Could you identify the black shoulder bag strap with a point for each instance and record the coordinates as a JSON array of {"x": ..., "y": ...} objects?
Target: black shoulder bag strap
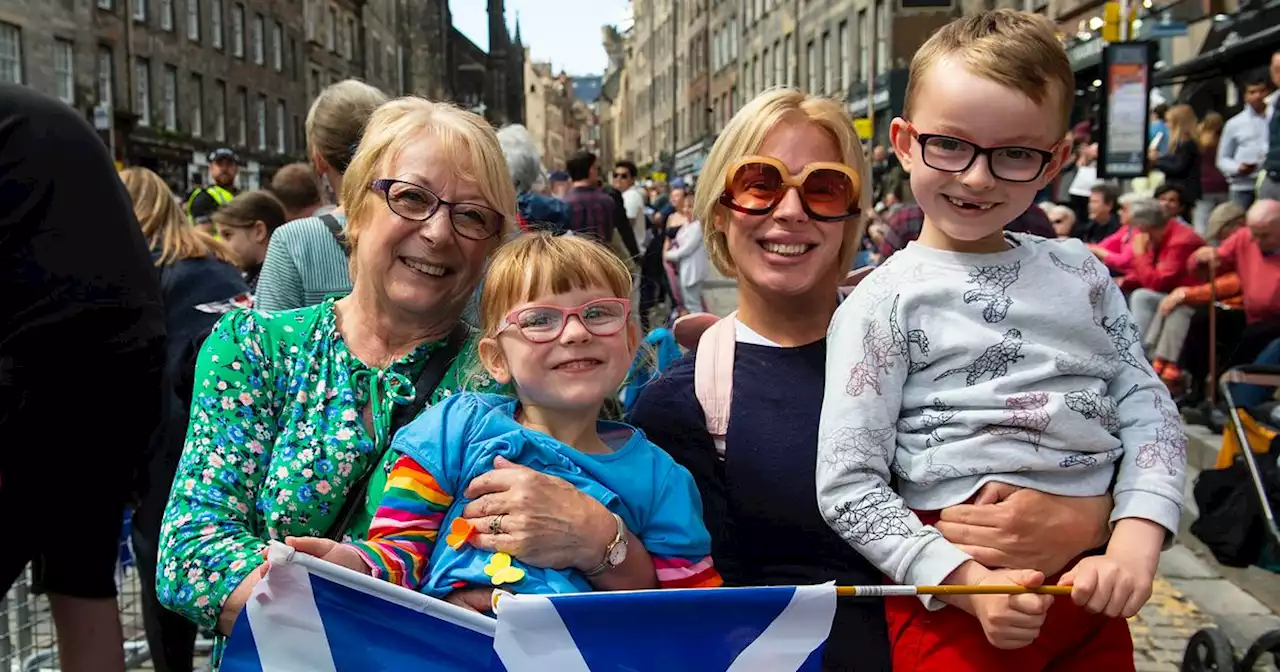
[
  {"x": 426, "y": 384},
  {"x": 335, "y": 228}
]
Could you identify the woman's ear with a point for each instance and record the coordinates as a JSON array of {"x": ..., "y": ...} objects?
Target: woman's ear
[
  {"x": 260, "y": 232},
  {"x": 493, "y": 360},
  {"x": 321, "y": 166}
]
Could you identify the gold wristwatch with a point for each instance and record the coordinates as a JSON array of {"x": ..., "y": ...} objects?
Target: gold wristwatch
[{"x": 615, "y": 553}]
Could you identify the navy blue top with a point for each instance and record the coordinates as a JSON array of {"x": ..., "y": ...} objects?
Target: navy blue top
[{"x": 761, "y": 503}]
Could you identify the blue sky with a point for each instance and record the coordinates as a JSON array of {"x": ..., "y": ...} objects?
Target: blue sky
[{"x": 565, "y": 32}]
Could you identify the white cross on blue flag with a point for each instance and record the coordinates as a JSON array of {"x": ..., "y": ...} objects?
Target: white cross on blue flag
[{"x": 311, "y": 616}]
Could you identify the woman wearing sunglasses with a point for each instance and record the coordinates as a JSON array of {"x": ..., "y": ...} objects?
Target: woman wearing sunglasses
[
  {"x": 783, "y": 214},
  {"x": 294, "y": 410}
]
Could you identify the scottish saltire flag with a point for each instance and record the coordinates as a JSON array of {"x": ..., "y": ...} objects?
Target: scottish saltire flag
[{"x": 311, "y": 616}]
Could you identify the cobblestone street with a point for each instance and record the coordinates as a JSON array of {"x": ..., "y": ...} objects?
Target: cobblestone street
[{"x": 1161, "y": 630}]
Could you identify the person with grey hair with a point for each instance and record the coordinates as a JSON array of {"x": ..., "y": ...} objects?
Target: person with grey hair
[
  {"x": 537, "y": 211},
  {"x": 1150, "y": 256},
  {"x": 1062, "y": 218}
]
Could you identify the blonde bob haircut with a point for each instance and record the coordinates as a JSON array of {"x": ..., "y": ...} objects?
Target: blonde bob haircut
[
  {"x": 168, "y": 232},
  {"x": 469, "y": 148},
  {"x": 743, "y": 137},
  {"x": 538, "y": 264}
]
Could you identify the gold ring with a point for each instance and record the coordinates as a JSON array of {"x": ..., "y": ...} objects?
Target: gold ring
[{"x": 495, "y": 525}]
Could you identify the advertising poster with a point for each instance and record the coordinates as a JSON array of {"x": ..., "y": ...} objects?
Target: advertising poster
[{"x": 1126, "y": 87}]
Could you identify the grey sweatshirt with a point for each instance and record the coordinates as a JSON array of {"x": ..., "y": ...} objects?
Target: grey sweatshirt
[{"x": 949, "y": 371}]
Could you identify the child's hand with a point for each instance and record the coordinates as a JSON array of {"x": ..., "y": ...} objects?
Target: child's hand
[
  {"x": 1119, "y": 583},
  {"x": 330, "y": 551},
  {"x": 1012, "y": 621}
]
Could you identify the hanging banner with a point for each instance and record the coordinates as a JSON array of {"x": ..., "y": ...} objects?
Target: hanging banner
[{"x": 1126, "y": 84}]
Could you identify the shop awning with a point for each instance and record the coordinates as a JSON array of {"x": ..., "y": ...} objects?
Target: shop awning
[{"x": 1226, "y": 59}]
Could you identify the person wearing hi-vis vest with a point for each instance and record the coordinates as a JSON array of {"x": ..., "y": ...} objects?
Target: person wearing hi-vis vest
[{"x": 204, "y": 201}]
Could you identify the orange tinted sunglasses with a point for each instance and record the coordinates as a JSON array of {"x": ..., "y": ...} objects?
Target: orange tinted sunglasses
[{"x": 829, "y": 192}]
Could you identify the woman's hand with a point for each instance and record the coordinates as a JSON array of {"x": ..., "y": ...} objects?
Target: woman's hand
[
  {"x": 236, "y": 600},
  {"x": 541, "y": 519},
  {"x": 479, "y": 600},
  {"x": 1171, "y": 302},
  {"x": 1007, "y": 526}
]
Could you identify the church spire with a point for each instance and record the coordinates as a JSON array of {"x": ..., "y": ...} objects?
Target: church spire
[{"x": 517, "y": 42}]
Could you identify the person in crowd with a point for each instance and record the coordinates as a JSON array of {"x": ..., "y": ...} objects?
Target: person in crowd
[
  {"x": 298, "y": 190},
  {"x": 199, "y": 282},
  {"x": 247, "y": 224},
  {"x": 1085, "y": 176},
  {"x": 1102, "y": 220},
  {"x": 689, "y": 256},
  {"x": 1269, "y": 181},
  {"x": 1252, "y": 253},
  {"x": 1213, "y": 184},
  {"x": 202, "y": 202},
  {"x": 80, "y": 301},
  {"x": 592, "y": 212},
  {"x": 558, "y": 184},
  {"x": 1063, "y": 219},
  {"x": 624, "y": 180},
  {"x": 1243, "y": 147},
  {"x": 1117, "y": 250},
  {"x": 1157, "y": 264},
  {"x": 1002, "y": 415},
  {"x": 307, "y": 259},
  {"x": 428, "y": 199},
  {"x": 537, "y": 211},
  {"x": 1181, "y": 164},
  {"x": 1168, "y": 331},
  {"x": 1158, "y": 129},
  {"x": 549, "y": 302},
  {"x": 1173, "y": 202},
  {"x": 789, "y": 249}
]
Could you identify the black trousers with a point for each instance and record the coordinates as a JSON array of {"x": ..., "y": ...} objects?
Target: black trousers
[
  {"x": 1238, "y": 342},
  {"x": 170, "y": 636}
]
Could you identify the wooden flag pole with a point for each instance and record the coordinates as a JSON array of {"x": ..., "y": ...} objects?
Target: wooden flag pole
[{"x": 911, "y": 591}]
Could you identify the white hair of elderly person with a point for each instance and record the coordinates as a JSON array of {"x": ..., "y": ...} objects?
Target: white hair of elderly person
[{"x": 523, "y": 158}]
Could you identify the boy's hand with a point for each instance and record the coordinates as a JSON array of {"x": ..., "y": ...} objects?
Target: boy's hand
[
  {"x": 1012, "y": 621},
  {"x": 1119, "y": 583},
  {"x": 330, "y": 551}
]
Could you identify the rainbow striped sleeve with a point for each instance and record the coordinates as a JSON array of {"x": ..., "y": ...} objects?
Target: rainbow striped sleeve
[
  {"x": 405, "y": 527},
  {"x": 676, "y": 572}
]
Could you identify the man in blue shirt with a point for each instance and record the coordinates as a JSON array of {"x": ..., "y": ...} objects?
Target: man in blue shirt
[{"x": 1244, "y": 142}]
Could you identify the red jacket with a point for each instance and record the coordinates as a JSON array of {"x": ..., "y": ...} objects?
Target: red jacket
[{"x": 1164, "y": 266}]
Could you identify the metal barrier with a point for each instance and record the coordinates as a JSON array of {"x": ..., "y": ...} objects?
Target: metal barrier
[{"x": 29, "y": 642}]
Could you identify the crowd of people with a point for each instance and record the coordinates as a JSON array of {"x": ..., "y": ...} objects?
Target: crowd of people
[{"x": 419, "y": 331}]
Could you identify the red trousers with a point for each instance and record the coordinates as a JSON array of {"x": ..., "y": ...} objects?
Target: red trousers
[{"x": 950, "y": 640}]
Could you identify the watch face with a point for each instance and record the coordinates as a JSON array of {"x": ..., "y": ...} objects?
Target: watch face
[{"x": 618, "y": 553}]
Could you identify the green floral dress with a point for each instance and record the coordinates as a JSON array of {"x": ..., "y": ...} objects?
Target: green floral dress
[{"x": 274, "y": 444}]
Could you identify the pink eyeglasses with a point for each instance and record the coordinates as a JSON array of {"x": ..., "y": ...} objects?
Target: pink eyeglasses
[{"x": 543, "y": 324}]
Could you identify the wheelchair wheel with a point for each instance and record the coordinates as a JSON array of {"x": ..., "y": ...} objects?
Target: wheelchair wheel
[
  {"x": 1268, "y": 643},
  {"x": 1209, "y": 651}
]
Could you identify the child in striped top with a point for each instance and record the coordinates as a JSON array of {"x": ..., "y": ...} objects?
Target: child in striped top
[{"x": 557, "y": 326}]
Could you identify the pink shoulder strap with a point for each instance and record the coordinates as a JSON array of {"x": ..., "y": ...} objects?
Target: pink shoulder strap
[{"x": 713, "y": 377}]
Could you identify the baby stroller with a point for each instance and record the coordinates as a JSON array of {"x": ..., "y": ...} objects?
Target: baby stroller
[{"x": 1247, "y": 490}]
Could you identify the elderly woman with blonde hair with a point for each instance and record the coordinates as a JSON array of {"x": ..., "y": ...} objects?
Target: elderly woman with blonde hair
[
  {"x": 294, "y": 411},
  {"x": 783, "y": 202}
]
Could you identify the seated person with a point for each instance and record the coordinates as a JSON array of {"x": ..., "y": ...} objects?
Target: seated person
[{"x": 556, "y": 322}]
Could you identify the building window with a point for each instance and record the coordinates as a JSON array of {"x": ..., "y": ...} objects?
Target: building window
[
  {"x": 166, "y": 14},
  {"x": 169, "y": 91},
  {"x": 104, "y": 4},
  {"x": 139, "y": 10},
  {"x": 220, "y": 111},
  {"x": 882, "y": 37},
  {"x": 277, "y": 47},
  {"x": 64, "y": 75},
  {"x": 215, "y": 22},
  {"x": 843, "y": 54},
  {"x": 375, "y": 56},
  {"x": 312, "y": 18},
  {"x": 779, "y": 66},
  {"x": 330, "y": 30},
  {"x": 348, "y": 39},
  {"x": 256, "y": 37},
  {"x": 786, "y": 61},
  {"x": 106, "y": 77},
  {"x": 811, "y": 66},
  {"x": 142, "y": 86},
  {"x": 242, "y": 111},
  {"x": 10, "y": 53},
  {"x": 862, "y": 29},
  {"x": 261, "y": 119},
  {"x": 193, "y": 20},
  {"x": 237, "y": 30},
  {"x": 197, "y": 106},
  {"x": 281, "y": 125},
  {"x": 827, "y": 65}
]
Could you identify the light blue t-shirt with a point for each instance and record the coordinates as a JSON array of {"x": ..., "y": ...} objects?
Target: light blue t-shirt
[{"x": 457, "y": 439}]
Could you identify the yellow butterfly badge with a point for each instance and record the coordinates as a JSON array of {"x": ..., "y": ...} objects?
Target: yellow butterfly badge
[{"x": 500, "y": 569}]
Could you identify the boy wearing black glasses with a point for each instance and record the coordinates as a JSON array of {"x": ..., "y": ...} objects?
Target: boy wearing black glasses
[{"x": 976, "y": 356}]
